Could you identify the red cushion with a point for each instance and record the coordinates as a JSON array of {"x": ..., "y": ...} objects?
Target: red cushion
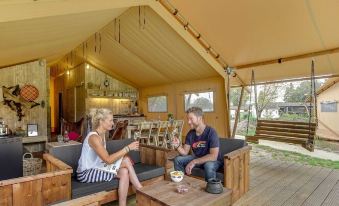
[{"x": 73, "y": 136}]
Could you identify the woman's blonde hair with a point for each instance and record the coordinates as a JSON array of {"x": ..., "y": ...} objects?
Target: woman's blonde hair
[{"x": 97, "y": 115}]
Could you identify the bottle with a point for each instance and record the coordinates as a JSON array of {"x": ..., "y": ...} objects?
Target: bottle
[{"x": 66, "y": 138}]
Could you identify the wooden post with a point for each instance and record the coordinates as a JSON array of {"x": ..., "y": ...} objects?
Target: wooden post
[{"x": 237, "y": 114}]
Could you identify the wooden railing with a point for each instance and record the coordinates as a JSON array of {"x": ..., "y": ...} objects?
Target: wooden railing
[{"x": 41, "y": 189}]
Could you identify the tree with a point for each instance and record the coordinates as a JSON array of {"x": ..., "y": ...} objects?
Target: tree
[
  {"x": 235, "y": 96},
  {"x": 299, "y": 93},
  {"x": 267, "y": 95},
  {"x": 203, "y": 103}
]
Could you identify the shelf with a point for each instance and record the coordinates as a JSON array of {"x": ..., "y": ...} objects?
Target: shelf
[
  {"x": 26, "y": 140},
  {"x": 102, "y": 93}
]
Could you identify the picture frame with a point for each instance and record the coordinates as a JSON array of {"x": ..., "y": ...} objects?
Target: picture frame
[{"x": 32, "y": 130}]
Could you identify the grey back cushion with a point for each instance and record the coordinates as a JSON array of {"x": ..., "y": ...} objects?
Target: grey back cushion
[
  {"x": 228, "y": 145},
  {"x": 71, "y": 154},
  {"x": 116, "y": 145},
  {"x": 68, "y": 154}
]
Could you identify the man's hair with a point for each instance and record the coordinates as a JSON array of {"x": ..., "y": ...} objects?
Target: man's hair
[{"x": 197, "y": 111}]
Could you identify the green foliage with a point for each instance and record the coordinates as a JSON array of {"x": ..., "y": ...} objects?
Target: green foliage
[
  {"x": 267, "y": 95},
  {"x": 299, "y": 93},
  {"x": 294, "y": 117},
  {"x": 235, "y": 96},
  {"x": 203, "y": 103}
]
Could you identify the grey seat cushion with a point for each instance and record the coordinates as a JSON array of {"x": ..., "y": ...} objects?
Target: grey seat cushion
[
  {"x": 82, "y": 189},
  {"x": 143, "y": 171},
  {"x": 146, "y": 172}
]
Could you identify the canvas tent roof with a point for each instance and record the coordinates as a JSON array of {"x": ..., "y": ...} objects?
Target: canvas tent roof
[
  {"x": 246, "y": 32},
  {"x": 328, "y": 84},
  {"x": 242, "y": 32}
]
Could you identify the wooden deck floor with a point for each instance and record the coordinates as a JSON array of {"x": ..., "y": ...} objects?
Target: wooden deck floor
[{"x": 277, "y": 183}]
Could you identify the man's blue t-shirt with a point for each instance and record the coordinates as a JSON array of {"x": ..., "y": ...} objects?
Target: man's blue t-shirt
[{"x": 201, "y": 144}]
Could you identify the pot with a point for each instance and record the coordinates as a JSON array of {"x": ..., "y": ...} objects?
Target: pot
[
  {"x": 3, "y": 130},
  {"x": 214, "y": 186}
]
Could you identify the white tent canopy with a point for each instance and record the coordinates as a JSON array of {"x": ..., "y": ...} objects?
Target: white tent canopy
[
  {"x": 246, "y": 32},
  {"x": 242, "y": 32}
]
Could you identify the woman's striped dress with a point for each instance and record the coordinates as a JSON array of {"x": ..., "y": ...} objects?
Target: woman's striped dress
[{"x": 88, "y": 162}]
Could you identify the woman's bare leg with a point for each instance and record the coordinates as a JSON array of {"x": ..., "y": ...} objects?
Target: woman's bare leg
[
  {"x": 123, "y": 185},
  {"x": 126, "y": 163}
]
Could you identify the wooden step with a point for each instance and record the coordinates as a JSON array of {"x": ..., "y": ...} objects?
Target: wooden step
[
  {"x": 287, "y": 122},
  {"x": 285, "y": 134},
  {"x": 288, "y": 130}
]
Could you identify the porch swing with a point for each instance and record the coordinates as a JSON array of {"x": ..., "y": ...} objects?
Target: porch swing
[{"x": 301, "y": 133}]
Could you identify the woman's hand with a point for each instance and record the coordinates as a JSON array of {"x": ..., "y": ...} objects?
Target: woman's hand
[{"x": 134, "y": 145}]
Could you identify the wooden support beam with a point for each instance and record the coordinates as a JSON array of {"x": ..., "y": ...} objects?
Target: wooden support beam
[
  {"x": 237, "y": 114},
  {"x": 290, "y": 58},
  {"x": 290, "y": 80}
]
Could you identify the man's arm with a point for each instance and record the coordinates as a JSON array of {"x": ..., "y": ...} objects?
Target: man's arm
[
  {"x": 184, "y": 150},
  {"x": 212, "y": 156}
]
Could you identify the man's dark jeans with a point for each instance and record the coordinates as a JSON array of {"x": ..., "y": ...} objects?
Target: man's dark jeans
[{"x": 209, "y": 167}]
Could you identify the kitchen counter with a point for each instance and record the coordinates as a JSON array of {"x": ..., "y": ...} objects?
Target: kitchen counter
[
  {"x": 26, "y": 139},
  {"x": 127, "y": 116}
]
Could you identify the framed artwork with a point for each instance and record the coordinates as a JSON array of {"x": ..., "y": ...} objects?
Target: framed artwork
[{"x": 32, "y": 130}]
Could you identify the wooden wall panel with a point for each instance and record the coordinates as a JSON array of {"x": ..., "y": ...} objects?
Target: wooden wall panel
[
  {"x": 6, "y": 196},
  {"x": 28, "y": 193},
  {"x": 175, "y": 97},
  {"x": 34, "y": 73},
  {"x": 56, "y": 189},
  {"x": 80, "y": 96}
]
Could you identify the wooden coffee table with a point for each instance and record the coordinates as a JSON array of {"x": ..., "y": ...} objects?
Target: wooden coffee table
[{"x": 165, "y": 193}]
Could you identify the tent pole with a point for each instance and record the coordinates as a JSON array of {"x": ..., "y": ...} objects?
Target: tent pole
[
  {"x": 291, "y": 58},
  {"x": 238, "y": 112}
]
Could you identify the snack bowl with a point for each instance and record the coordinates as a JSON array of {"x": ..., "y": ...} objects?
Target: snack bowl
[{"x": 177, "y": 176}]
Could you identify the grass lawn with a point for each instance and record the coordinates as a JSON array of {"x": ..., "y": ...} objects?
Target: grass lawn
[{"x": 296, "y": 157}]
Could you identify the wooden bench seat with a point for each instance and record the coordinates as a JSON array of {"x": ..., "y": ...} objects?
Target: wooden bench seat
[{"x": 301, "y": 133}]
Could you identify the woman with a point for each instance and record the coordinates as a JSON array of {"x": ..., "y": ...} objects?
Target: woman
[{"x": 94, "y": 153}]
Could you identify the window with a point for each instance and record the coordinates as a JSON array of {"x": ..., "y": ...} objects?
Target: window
[
  {"x": 328, "y": 106},
  {"x": 204, "y": 100},
  {"x": 157, "y": 104}
]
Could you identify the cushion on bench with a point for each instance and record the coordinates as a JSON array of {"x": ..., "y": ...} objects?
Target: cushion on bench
[
  {"x": 82, "y": 189},
  {"x": 116, "y": 145},
  {"x": 228, "y": 145},
  {"x": 71, "y": 154},
  {"x": 144, "y": 172}
]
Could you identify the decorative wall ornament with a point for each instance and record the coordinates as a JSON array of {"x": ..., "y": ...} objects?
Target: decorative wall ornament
[{"x": 16, "y": 102}]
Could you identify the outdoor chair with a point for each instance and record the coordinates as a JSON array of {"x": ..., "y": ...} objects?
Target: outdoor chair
[{"x": 75, "y": 129}]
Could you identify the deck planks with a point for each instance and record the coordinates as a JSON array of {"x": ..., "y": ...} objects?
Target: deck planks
[{"x": 278, "y": 183}]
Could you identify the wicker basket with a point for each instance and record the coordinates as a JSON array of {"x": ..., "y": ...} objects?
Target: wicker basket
[{"x": 31, "y": 166}]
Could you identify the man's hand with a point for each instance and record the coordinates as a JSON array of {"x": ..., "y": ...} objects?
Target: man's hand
[
  {"x": 175, "y": 142},
  {"x": 189, "y": 167}
]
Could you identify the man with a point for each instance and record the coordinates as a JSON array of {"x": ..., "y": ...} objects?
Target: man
[{"x": 204, "y": 142}]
